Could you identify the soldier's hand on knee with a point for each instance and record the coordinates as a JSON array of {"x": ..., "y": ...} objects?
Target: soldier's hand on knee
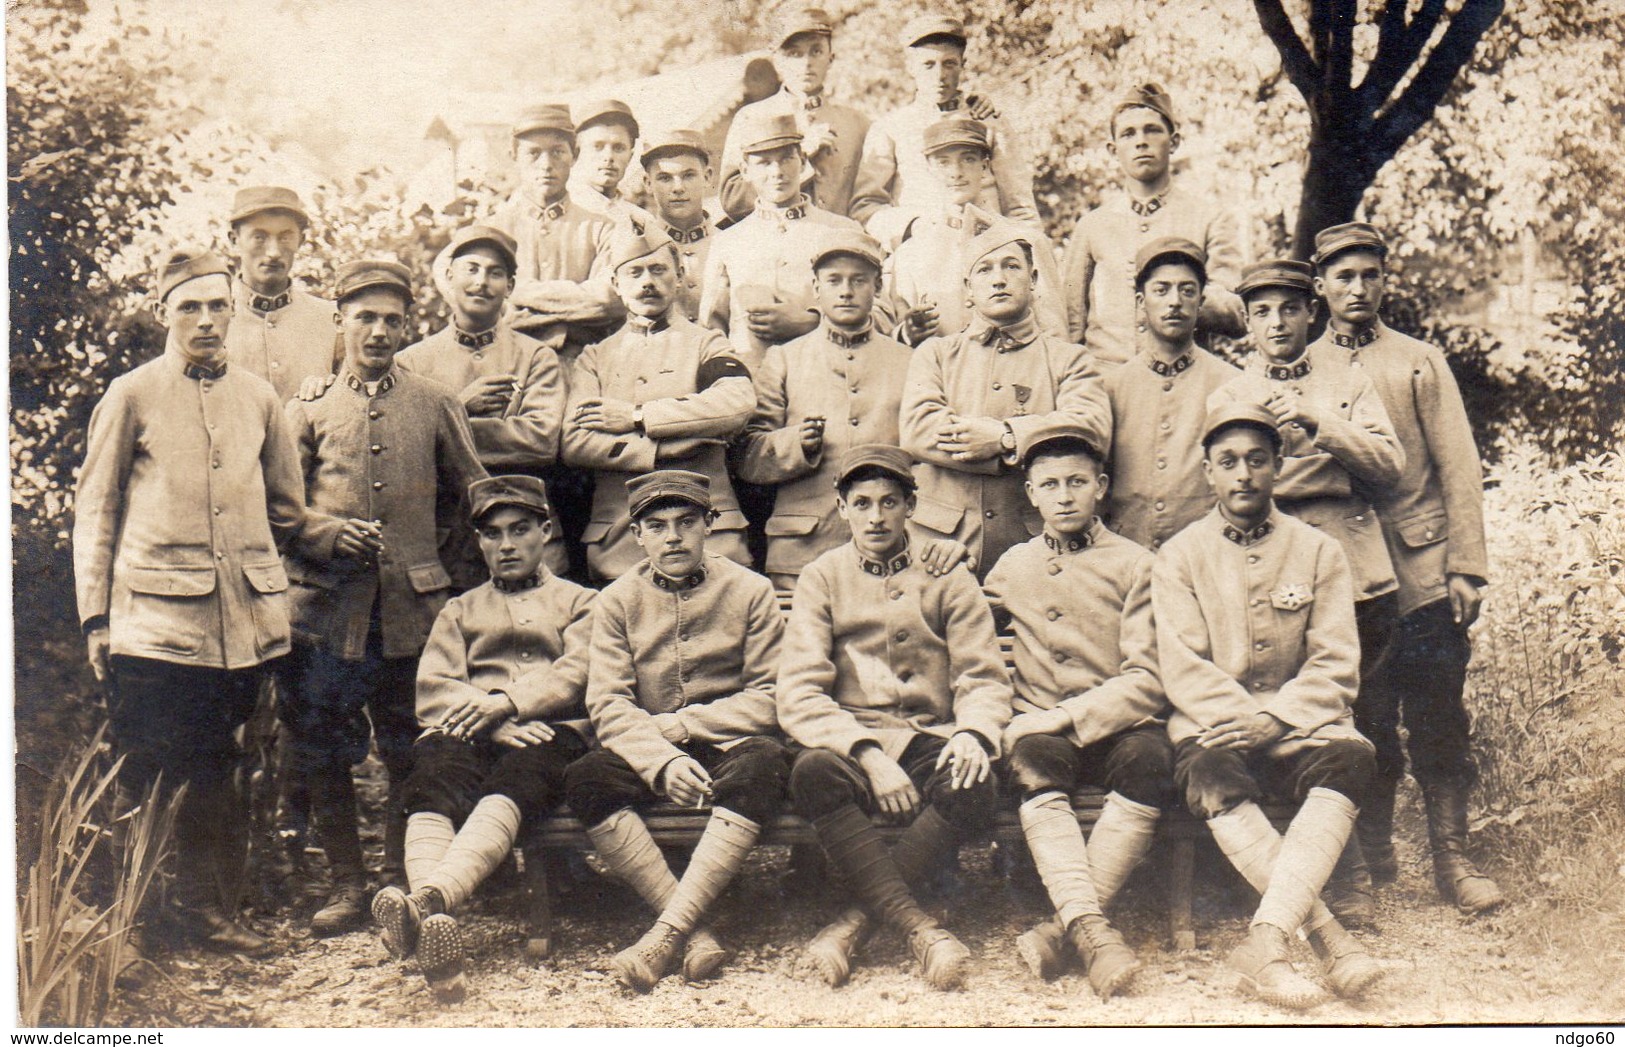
[
  {"x": 98, "y": 646},
  {"x": 1253, "y": 731},
  {"x": 477, "y": 715},
  {"x": 517, "y": 735},
  {"x": 686, "y": 782},
  {"x": 966, "y": 759},
  {"x": 1050, "y": 721},
  {"x": 893, "y": 790}
]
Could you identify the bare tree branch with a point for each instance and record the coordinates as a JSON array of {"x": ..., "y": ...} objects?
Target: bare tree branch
[
  {"x": 1415, "y": 105},
  {"x": 1300, "y": 67},
  {"x": 1398, "y": 46}
]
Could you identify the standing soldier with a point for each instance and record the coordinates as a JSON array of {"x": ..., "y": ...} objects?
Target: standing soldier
[
  {"x": 279, "y": 331},
  {"x": 972, "y": 399},
  {"x": 1433, "y": 521},
  {"x": 758, "y": 280},
  {"x": 893, "y": 186},
  {"x": 606, "y": 133},
  {"x": 190, "y": 478},
  {"x": 509, "y": 383},
  {"x": 926, "y": 293},
  {"x": 1159, "y": 401},
  {"x": 831, "y": 134},
  {"x": 677, "y": 168},
  {"x": 1099, "y": 264},
  {"x": 660, "y": 391},
  {"x": 386, "y": 457}
]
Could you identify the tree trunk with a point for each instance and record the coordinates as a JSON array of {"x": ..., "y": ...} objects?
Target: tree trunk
[{"x": 1336, "y": 178}]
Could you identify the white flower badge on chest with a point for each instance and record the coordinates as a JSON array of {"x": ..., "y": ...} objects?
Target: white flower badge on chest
[{"x": 1291, "y": 597}]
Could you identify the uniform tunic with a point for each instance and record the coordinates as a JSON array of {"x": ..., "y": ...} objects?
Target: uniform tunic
[
  {"x": 403, "y": 458},
  {"x": 655, "y": 367},
  {"x": 284, "y": 345},
  {"x": 563, "y": 259},
  {"x": 765, "y": 256},
  {"x": 1099, "y": 267},
  {"x": 895, "y": 184},
  {"x": 884, "y": 652},
  {"x": 1158, "y": 409},
  {"x": 529, "y": 644},
  {"x": 1084, "y": 637},
  {"x": 1354, "y": 444},
  {"x": 524, "y": 438},
  {"x": 695, "y": 247},
  {"x": 855, "y": 383},
  {"x": 1433, "y": 517},
  {"x": 1260, "y": 623},
  {"x": 189, "y": 484},
  {"x": 1011, "y": 375},
  {"x": 680, "y": 662},
  {"x": 835, "y": 168}
]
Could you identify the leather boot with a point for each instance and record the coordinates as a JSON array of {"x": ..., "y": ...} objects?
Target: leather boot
[
  {"x": 1455, "y": 875},
  {"x": 400, "y": 917},
  {"x": 1348, "y": 891},
  {"x": 704, "y": 955},
  {"x": 1349, "y": 968},
  {"x": 1111, "y": 964},
  {"x": 1265, "y": 974},
  {"x": 393, "y": 870},
  {"x": 206, "y": 858},
  {"x": 442, "y": 949},
  {"x": 1374, "y": 828},
  {"x": 943, "y": 959},
  {"x": 332, "y": 796},
  {"x": 831, "y": 948},
  {"x": 1045, "y": 949},
  {"x": 641, "y": 965}
]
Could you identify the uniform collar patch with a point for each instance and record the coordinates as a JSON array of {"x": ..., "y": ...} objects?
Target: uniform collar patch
[
  {"x": 1075, "y": 543},
  {"x": 848, "y": 341},
  {"x": 896, "y": 564},
  {"x": 370, "y": 389},
  {"x": 1253, "y": 537},
  {"x": 523, "y": 584},
  {"x": 677, "y": 585},
  {"x": 476, "y": 341},
  {"x": 1288, "y": 372},
  {"x": 952, "y": 105},
  {"x": 806, "y": 102},
  {"x": 262, "y": 304},
  {"x": 1178, "y": 366},
  {"x": 789, "y": 213},
  {"x": 1149, "y": 206},
  {"x": 690, "y": 236},
  {"x": 1009, "y": 337},
  {"x": 547, "y": 212},
  {"x": 198, "y": 372},
  {"x": 648, "y": 325},
  {"x": 1355, "y": 341}
]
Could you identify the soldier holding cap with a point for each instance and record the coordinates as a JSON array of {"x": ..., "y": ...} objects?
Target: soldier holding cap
[
  {"x": 1259, "y": 655},
  {"x": 606, "y": 132},
  {"x": 972, "y": 399},
  {"x": 1089, "y": 706},
  {"x": 831, "y": 134},
  {"x": 1099, "y": 265},
  {"x": 190, "y": 484},
  {"x": 893, "y": 185},
  {"x": 1159, "y": 401},
  {"x": 758, "y": 280},
  {"x": 279, "y": 331},
  {"x": 892, "y": 680},
  {"x": 563, "y": 294},
  {"x": 1433, "y": 521},
  {"x": 386, "y": 456},
  {"x": 499, "y": 697},
  {"x": 680, "y": 690},
  {"x": 510, "y": 384},
  {"x": 677, "y": 168},
  {"x": 926, "y": 296},
  {"x": 660, "y": 391}
]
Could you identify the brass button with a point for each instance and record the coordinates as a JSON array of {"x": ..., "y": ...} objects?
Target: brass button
[
  {"x": 902, "y": 636},
  {"x": 1052, "y": 614},
  {"x": 378, "y": 485}
]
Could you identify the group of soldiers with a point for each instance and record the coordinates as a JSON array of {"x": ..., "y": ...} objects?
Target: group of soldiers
[{"x": 535, "y": 558}]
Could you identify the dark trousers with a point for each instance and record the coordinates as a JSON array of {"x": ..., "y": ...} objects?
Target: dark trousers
[
  {"x": 178, "y": 720},
  {"x": 823, "y": 781},
  {"x": 747, "y": 778},
  {"x": 1137, "y": 764},
  {"x": 330, "y": 706},
  {"x": 1420, "y": 679},
  {"x": 1218, "y": 780},
  {"x": 451, "y": 776}
]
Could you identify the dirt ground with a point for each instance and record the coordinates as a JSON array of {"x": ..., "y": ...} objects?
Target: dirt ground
[{"x": 1441, "y": 967}]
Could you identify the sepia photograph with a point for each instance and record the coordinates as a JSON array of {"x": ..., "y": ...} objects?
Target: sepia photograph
[{"x": 717, "y": 514}]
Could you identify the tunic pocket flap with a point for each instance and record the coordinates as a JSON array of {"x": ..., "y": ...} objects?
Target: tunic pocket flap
[
  {"x": 268, "y": 577},
  {"x": 791, "y": 526},
  {"x": 938, "y": 516},
  {"x": 428, "y": 578},
  {"x": 1423, "y": 530},
  {"x": 171, "y": 580},
  {"x": 303, "y": 573}
]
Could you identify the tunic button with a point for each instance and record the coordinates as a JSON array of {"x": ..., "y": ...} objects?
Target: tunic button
[
  {"x": 372, "y": 414},
  {"x": 896, "y": 595},
  {"x": 1052, "y": 614},
  {"x": 1260, "y": 646},
  {"x": 1360, "y": 518},
  {"x": 854, "y": 422},
  {"x": 378, "y": 485},
  {"x": 1159, "y": 506},
  {"x": 217, "y": 510},
  {"x": 902, "y": 635},
  {"x": 216, "y": 463},
  {"x": 854, "y": 388},
  {"x": 276, "y": 365},
  {"x": 1059, "y": 656},
  {"x": 1166, "y": 427},
  {"x": 525, "y": 655},
  {"x": 684, "y": 597},
  {"x": 1430, "y": 534},
  {"x": 377, "y": 448},
  {"x": 991, "y": 513},
  {"x": 1054, "y": 568},
  {"x": 905, "y": 676},
  {"x": 1167, "y": 386},
  {"x": 996, "y": 385},
  {"x": 479, "y": 356},
  {"x": 1162, "y": 463},
  {"x": 1145, "y": 227},
  {"x": 641, "y": 379},
  {"x": 219, "y": 556},
  {"x": 1255, "y": 601},
  {"x": 1252, "y": 559},
  {"x": 682, "y": 637}
]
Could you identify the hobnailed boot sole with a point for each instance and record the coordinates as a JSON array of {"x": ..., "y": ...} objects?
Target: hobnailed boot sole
[
  {"x": 1044, "y": 950},
  {"x": 944, "y": 960},
  {"x": 442, "y": 950},
  {"x": 398, "y": 920},
  {"x": 703, "y": 956}
]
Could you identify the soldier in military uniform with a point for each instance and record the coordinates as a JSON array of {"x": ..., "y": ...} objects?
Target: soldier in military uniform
[
  {"x": 1433, "y": 522},
  {"x": 831, "y": 134},
  {"x": 190, "y": 484},
  {"x": 606, "y": 132},
  {"x": 510, "y": 384},
  {"x": 972, "y": 399},
  {"x": 1159, "y": 401},
  {"x": 1099, "y": 265},
  {"x": 677, "y": 168},
  {"x": 1259, "y": 655},
  {"x": 278, "y": 331},
  {"x": 893, "y": 187},
  {"x": 659, "y": 392},
  {"x": 386, "y": 457}
]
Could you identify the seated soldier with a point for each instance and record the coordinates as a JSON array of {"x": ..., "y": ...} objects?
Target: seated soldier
[
  {"x": 499, "y": 697},
  {"x": 1260, "y": 658},
  {"x": 1089, "y": 706},
  {"x": 680, "y": 690},
  {"x": 892, "y": 680}
]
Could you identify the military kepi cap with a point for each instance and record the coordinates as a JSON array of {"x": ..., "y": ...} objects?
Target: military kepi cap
[
  {"x": 257, "y": 199},
  {"x": 526, "y": 492},
  {"x": 759, "y": 131},
  {"x": 548, "y": 116},
  {"x": 674, "y": 143},
  {"x": 888, "y": 458},
  {"x": 665, "y": 484},
  {"x": 853, "y": 242},
  {"x": 795, "y": 18},
  {"x": 1277, "y": 272},
  {"x": 188, "y": 263},
  {"x": 1229, "y": 414},
  {"x": 355, "y": 277},
  {"x": 606, "y": 111},
  {"x": 471, "y": 236},
  {"x": 925, "y": 27},
  {"x": 1336, "y": 239},
  {"x": 631, "y": 240},
  {"x": 1058, "y": 434},
  {"x": 1169, "y": 247},
  {"x": 955, "y": 130},
  {"x": 1147, "y": 96}
]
